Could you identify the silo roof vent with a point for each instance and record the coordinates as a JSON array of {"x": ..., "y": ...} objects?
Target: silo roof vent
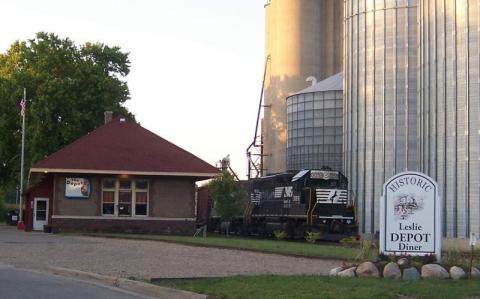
[{"x": 334, "y": 82}]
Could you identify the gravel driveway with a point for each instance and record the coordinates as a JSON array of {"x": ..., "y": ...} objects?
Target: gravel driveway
[{"x": 148, "y": 259}]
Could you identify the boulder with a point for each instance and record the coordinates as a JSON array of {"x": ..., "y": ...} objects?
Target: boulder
[
  {"x": 411, "y": 274},
  {"x": 392, "y": 270},
  {"x": 403, "y": 262},
  {"x": 475, "y": 272},
  {"x": 457, "y": 273},
  {"x": 335, "y": 271},
  {"x": 367, "y": 269},
  {"x": 434, "y": 271},
  {"x": 350, "y": 272}
]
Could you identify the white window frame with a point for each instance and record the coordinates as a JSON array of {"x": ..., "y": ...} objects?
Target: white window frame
[
  {"x": 118, "y": 197},
  {"x": 134, "y": 196},
  {"x": 115, "y": 196},
  {"x": 133, "y": 189}
]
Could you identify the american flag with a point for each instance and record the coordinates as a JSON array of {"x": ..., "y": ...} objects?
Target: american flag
[{"x": 22, "y": 107}]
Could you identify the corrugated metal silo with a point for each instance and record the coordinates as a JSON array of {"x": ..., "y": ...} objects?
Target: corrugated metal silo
[
  {"x": 450, "y": 108},
  {"x": 303, "y": 38},
  {"x": 380, "y": 99},
  {"x": 315, "y": 126}
]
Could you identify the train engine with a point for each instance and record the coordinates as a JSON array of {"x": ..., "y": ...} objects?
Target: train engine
[{"x": 310, "y": 200}]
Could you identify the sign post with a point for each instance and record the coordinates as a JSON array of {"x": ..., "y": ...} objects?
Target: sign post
[
  {"x": 473, "y": 242},
  {"x": 410, "y": 215}
]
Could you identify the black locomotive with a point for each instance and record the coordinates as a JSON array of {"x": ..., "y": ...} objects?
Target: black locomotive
[{"x": 310, "y": 200}]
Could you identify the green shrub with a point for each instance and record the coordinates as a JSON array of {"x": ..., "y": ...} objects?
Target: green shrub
[
  {"x": 280, "y": 235},
  {"x": 454, "y": 257},
  {"x": 350, "y": 241},
  {"x": 312, "y": 237},
  {"x": 368, "y": 250}
]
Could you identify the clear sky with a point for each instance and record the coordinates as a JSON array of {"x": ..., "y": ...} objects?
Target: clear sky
[{"x": 196, "y": 65}]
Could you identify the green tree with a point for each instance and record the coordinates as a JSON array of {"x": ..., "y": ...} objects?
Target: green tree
[
  {"x": 228, "y": 196},
  {"x": 68, "y": 89}
]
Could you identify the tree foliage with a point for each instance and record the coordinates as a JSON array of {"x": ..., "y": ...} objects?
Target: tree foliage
[
  {"x": 228, "y": 195},
  {"x": 68, "y": 89}
]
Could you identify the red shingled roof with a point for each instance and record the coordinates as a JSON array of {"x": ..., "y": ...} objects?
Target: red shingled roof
[{"x": 124, "y": 147}]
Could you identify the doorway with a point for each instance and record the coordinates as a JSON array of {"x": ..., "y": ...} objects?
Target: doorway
[{"x": 40, "y": 213}]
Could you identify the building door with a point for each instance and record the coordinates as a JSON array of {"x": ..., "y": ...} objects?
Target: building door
[{"x": 40, "y": 213}]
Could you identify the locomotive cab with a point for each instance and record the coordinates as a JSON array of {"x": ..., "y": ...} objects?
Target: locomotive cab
[{"x": 325, "y": 194}]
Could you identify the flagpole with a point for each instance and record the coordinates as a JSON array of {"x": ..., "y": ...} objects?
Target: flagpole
[{"x": 20, "y": 222}]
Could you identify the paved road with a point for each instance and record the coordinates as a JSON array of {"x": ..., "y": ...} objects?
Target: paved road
[
  {"x": 144, "y": 259},
  {"x": 23, "y": 284}
]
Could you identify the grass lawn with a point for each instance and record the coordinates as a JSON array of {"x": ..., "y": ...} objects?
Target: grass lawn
[
  {"x": 303, "y": 287},
  {"x": 273, "y": 246}
]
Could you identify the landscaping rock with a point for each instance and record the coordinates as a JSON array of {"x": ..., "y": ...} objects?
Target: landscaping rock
[
  {"x": 392, "y": 270},
  {"x": 350, "y": 272},
  {"x": 434, "y": 271},
  {"x": 335, "y": 271},
  {"x": 411, "y": 274},
  {"x": 457, "y": 273},
  {"x": 403, "y": 262},
  {"x": 367, "y": 269},
  {"x": 475, "y": 273}
]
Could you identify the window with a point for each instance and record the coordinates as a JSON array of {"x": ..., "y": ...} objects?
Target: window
[
  {"x": 108, "y": 197},
  {"x": 141, "y": 197},
  {"x": 124, "y": 197}
]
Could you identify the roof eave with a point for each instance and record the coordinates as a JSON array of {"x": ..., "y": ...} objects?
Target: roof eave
[{"x": 127, "y": 172}]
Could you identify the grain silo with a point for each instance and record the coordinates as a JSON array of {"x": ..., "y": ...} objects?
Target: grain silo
[
  {"x": 450, "y": 108},
  {"x": 303, "y": 38},
  {"x": 315, "y": 126},
  {"x": 380, "y": 99}
]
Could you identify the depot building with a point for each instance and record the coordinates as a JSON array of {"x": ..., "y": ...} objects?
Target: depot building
[{"x": 120, "y": 177}]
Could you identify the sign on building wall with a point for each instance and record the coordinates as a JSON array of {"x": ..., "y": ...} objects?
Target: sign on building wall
[
  {"x": 410, "y": 214},
  {"x": 77, "y": 188}
]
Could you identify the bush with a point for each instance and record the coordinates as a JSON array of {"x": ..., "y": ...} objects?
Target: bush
[
  {"x": 368, "y": 250},
  {"x": 350, "y": 241},
  {"x": 454, "y": 257},
  {"x": 312, "y": 237},
  {"x": 280, "y": 235}
]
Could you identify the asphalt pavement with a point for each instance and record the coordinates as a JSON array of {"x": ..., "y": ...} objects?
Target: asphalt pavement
[{"x": 24, "y": 284}]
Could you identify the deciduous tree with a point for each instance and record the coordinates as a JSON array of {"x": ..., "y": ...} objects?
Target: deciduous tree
[
  {"x": 68, "y": 89},
  {"x": 228, "y": 196}
]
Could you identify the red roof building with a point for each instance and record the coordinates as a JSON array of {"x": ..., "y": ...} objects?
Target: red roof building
[{"x": 120, "y": 177}]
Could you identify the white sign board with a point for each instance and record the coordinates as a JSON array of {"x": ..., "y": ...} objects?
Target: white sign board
[
  {"x": 410, "y": 214},
  {"x": 77, "y": 188}
]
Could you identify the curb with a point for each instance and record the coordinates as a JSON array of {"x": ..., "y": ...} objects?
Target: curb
[{"x": 139, "y": 287}]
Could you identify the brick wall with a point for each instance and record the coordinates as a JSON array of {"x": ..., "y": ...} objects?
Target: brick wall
[
  {"x": 77, "y": 207},
  {"x": 177, "y": 227},
  {"x": 172, "y": 197}
]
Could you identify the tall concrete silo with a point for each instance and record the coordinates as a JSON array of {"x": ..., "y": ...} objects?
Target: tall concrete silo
[
  {"x": 380, "y": 99},
  {"x": 303, "y": 38},
  {"x": 315, "y": 126},
  {"x": 450, "y": 108}
]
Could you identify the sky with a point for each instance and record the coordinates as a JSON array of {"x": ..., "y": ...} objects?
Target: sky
[{"x": 196, "y": 65}]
